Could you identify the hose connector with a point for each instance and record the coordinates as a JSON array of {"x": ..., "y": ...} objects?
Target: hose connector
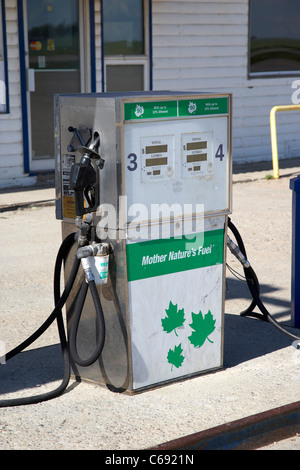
[
  {"x": 94, "y": 259},
  {"x": 96, "y": 249},
  {"x": 87, "y": 266},
  {"x": 237, "y": 252}
]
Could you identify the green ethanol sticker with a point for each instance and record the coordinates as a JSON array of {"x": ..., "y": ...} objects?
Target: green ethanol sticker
[
  {"x": 203, "y": 106},
  {"x": 165, "y": 256},
  {"x": 150, "y": 110},
  {"x": 175, "y": 108}
]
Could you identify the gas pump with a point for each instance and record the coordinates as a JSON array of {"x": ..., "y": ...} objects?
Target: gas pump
[
  {"x": 143, "y": 192},
  {"x": 151, "y": 173}
]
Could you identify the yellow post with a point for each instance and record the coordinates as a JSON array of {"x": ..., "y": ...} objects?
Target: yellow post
[{"x": 291, "y": 107}]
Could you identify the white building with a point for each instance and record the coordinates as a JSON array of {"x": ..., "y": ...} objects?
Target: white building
[{"x": 250, "y": 48}]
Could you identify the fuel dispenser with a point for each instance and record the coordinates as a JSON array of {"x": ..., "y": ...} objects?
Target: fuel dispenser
[
  {"x": 143, "y": 192},
  {"x": 149, "y": 175}
]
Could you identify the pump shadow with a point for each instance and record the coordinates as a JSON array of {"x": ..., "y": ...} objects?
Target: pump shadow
[
  {"x": 246, "y": 338},
  {"x": 249, "y": 338},
  {"x": 236, "y": 289},
  {"x": 32, "y": 369}
]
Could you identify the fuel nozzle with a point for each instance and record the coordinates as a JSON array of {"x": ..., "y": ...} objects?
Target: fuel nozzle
[
  {"x": 92, "y": 151},
  {"x": 83, "y": 178}
]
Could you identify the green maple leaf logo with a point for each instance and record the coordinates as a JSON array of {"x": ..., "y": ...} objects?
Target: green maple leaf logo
[
  {"x": 175, "y": 356},
  {"x": 203, "y": 327},
  {"x": 174, "y": 319}
]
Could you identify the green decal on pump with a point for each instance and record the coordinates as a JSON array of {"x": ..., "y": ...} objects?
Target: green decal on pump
[
  {"x": 171, "y": 255},
  {"x": 150, "y": 110},
  {"x": 175, "y": 108},
  {"x": 203, "y": 326},
  {"x": 175, "y": 356},
  {"x": 200, "y": 107},
  {"x": 174, "y": 319}
]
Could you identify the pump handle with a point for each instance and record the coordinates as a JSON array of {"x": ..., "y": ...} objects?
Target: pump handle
[
  {"x": 92, "y": 150},
  {"x": 83, "y": 178}
]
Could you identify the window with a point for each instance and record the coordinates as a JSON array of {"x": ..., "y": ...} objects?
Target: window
[
  {"x": 53, "y": 35},
  {"x": 3, "y": 61},
  {"x": 124, "y": 45},
  {"x": 274, "y": 37}
]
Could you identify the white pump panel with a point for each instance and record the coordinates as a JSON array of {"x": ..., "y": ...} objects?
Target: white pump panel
[{"x": 182, "y": 161}]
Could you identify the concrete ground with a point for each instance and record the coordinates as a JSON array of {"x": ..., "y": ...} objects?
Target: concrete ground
[{"x": 261, "y": 367}]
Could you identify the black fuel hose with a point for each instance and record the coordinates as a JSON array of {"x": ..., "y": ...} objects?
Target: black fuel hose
[
  {"x": 59, "y": 301},
  {"x": 254, "y": 288},
  {"x": 254, "y": 279},
  {"x": 56, "y": 314}
]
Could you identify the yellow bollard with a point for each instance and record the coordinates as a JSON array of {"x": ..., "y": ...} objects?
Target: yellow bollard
[{"x": 291, "y": 107}]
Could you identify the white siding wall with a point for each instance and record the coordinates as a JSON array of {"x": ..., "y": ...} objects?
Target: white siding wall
[
  {"x": 11, "y": 147},
  {"x": 98, "y": 45},
  {"x": 202, "y": 45}
]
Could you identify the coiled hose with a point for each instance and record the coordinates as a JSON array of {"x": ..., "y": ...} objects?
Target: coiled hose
[{"x": 100, "y": 325}]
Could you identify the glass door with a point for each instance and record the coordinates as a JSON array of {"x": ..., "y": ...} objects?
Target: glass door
[{"x": 53, "y": 67}]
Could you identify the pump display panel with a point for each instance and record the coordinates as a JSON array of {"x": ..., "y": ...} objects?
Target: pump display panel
[
  {"x": 184, "y": 161},
  {"x": 197, "y": 154},
  {"x": 157, "y": 158}
]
